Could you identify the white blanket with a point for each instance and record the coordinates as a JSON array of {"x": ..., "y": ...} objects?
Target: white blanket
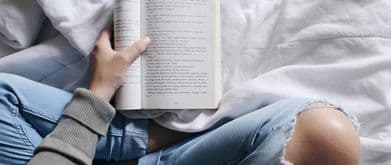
[
  {"x": 339, "y": 50},
  {"x": 20, "y": 22}
]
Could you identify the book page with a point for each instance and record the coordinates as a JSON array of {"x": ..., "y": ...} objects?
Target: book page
[
  {"x": 127, "y": 30},
  {"x": 179, "y": 67}
]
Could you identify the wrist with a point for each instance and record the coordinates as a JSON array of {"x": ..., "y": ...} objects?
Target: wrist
[{"x": 103, "y": 91}]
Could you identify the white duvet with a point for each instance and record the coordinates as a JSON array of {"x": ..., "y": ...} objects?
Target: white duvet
[{"x": 339, "y": 50}]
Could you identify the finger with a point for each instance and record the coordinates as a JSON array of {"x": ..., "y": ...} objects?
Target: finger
[
  {"x": 132, "y": 52},
  {"x": 103, "y": 42}
]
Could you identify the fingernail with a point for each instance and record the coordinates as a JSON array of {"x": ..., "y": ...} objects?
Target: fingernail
[{"x": 147, "y": 39}]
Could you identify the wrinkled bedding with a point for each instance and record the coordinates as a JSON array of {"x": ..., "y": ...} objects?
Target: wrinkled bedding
[{"x": 337, "y": 50}]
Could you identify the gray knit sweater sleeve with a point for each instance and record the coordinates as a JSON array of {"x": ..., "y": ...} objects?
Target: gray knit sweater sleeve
[{"x": 74, "y": 139}]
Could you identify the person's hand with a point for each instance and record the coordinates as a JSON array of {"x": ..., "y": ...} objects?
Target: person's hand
[{"x": 111, "y": 65}]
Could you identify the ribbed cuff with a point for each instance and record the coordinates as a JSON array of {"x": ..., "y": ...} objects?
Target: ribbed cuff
[
  {"x": 70, "y": 139},
  {"x": 63, "y": 148},
  {"x": 88, "y": 109}
]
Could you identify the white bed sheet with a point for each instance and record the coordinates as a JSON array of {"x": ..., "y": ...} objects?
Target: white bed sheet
[{"x": 338, "y": 50}]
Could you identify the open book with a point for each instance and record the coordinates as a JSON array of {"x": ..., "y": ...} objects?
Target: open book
[{"x": 182, "y": 67}]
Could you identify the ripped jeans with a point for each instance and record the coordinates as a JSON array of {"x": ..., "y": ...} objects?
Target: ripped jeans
[{"x": 30, "y": 110}]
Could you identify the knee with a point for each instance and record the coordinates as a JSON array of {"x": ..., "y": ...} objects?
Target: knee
[{"x": 324, "y": 136}]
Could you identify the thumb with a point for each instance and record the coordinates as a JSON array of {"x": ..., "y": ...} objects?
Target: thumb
[{"x": 131, "y": 53}]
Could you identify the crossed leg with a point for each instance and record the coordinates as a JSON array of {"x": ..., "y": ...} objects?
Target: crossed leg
[{"x": 297, "y": 131}]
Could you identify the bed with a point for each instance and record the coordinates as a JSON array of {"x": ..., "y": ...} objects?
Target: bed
[{"x": 337, "y": 50}]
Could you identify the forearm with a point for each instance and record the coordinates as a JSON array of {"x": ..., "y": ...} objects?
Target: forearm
[
  {"x": 74, "y": 139},
  {"x": 88, "y": 116}
]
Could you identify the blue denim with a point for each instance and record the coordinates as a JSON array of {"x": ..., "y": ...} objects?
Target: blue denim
[
  {"x": 256, "y": 138},
  {"x": 29, "y": 111},
  {"x": 54, "y": 62}
]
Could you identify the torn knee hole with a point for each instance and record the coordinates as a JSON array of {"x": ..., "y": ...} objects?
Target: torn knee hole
[{"x": 322, "y": 105}]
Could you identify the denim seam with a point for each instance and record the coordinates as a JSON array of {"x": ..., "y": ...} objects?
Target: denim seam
[
  {"x": 20, "y": 129},
  {"x": 137, "y": 134},
  {"x": 249, "y": 146},
  {"x": 15, "y": 106},
  {"x": 128, "y": 136},
  {"x": 116, "y": 134},
  {"x": 249, "y": 152},
  {"x": 32, "y": 111},
  {"x": 159, "y": 156},
  {"x": 61, "y": 68},
  {"x": 253, "y": 137}
]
